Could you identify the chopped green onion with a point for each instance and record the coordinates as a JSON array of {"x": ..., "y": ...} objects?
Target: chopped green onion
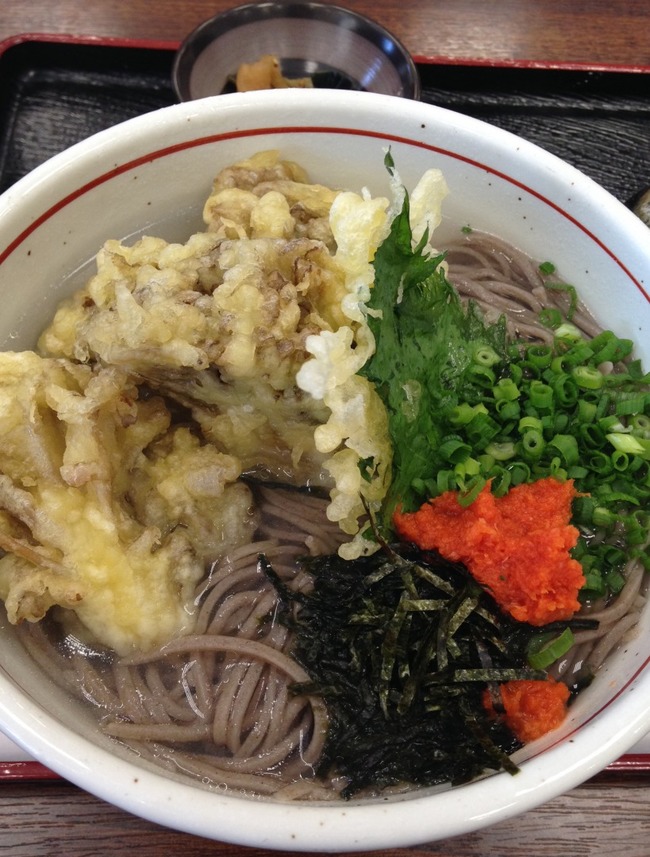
[
  {"x": 565, "y": 389},
  {"x": 446, "y": 480},
  {"x": 571, "y": 292},
  {"x": 608, "y": 348},
  {"x": 544, "y": 651},
  {"x": 567, "y": 446},
  {"x": 530, "y": 370},
  {"x": 506, "y": 389},
  {"x": 501, "y": 451},
  {"x": 486, "y": 462},
  {"x": 611, "y": 423},
  {"x": 532, "y": 443},
  {"x": 615, "y": 581},
  {"x": 471, "y": 491},
  {"x": 481, "y": 430},
  {"x": 541, "y": 395},
  {"x": 516, "y": 373},
  {"x": 636, "y": 464},
  {"x": 640, "y": 425},
  {"x": 507, "y": 410},
  {"x": 587, "y": 377},
  {"x": 519, "y": 472},
  {"x": 560, "y": 421},
  {"x": 620, "y": 460},
  {"x": 623, "y": 350},
  {"x": 454, "y": 450},
  {"x": 630, "y": 443},
  {"x": 600, "y": 463},
  {"x": 529, "y": 422},
  {"x": 613, "y": 555},
  {"x": 463, "y": 414},
  {"x": 485, "y": 355},
  {"x": 550, "y": 317},
  {"x": 583, "y": 508},
  {"x": 540, "y": 355},
  {"x": 603, "y": 517},
  {"x": 501, "y": 480},
  {"x": 481, "y": 375},
  {"x": 580, "y": 353},
  {"x": 628, "y": 406},
  {"x": 469, "y": 467},
  {"x": 602, "y": 407},
  {"x": 594, "y": 582},
  {"x": 592, "y": 435},
  {"x": 637, "y": 536},
  {"x": 586, "y": 410},
  {"x": 568, "y": 332},
  {"x": 556, "y": 469},
  {"x": 578, "y": 472}
]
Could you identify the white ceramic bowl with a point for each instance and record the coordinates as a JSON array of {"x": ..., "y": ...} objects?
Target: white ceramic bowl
[
  {"x": 153, "y": 173},
  {"x": 338, "y": 47}
]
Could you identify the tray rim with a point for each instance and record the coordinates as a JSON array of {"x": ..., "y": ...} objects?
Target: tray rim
[
  {"x": 32, "y": 771},
  {"x": 420, "y": 59},
  {"x": 86, "y": 41},
  {"x": 25, "y": 771}
]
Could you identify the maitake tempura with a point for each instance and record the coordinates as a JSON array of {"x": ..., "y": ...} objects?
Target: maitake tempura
[{"x": 176, "y": 369}]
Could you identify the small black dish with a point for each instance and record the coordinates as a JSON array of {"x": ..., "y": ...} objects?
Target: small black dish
[{"x": 335, "y": 47}]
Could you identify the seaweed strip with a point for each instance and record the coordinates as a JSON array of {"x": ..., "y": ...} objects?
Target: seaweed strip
[{"x": 401, "y": 646}]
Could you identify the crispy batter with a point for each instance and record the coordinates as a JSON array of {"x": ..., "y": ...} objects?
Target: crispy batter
[
  {"x": 76, "y": 440},
  {"x": 220, "y": 323},
  {"x": 104, "y": 505}
]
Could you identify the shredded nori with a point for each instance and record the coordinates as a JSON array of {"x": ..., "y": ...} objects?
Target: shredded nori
[{"x": 401, "y": 645}]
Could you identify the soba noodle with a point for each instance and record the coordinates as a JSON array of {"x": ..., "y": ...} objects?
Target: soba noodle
[
  {"x": 504, "y": 280},
  {"x": 217, "y": 705}
]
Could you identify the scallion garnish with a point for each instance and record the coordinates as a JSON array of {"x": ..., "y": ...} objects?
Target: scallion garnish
[{"x": 548, "y": 648}]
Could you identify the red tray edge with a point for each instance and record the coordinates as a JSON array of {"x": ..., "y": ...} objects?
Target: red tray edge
[
  {"x": 10, "y": 771},
  {"x": 99, "y": 41},
  {"x": 35, "y": 771},
  {"x": 480, "y": 62}
]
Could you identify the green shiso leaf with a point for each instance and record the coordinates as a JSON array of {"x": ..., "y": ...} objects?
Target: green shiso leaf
[{"x": 426, "y": 342}]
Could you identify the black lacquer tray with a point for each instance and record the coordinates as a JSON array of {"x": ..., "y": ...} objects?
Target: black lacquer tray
[{"x": 54, "y": 93}]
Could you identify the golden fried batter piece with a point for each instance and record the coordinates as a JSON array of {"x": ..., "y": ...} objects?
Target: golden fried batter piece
[{"x": 77, "y": 532}]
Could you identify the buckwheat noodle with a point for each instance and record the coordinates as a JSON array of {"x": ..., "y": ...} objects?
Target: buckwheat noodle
[
  {"x": 217, "y": 704},
  {"x": 503, "y": 280}
]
